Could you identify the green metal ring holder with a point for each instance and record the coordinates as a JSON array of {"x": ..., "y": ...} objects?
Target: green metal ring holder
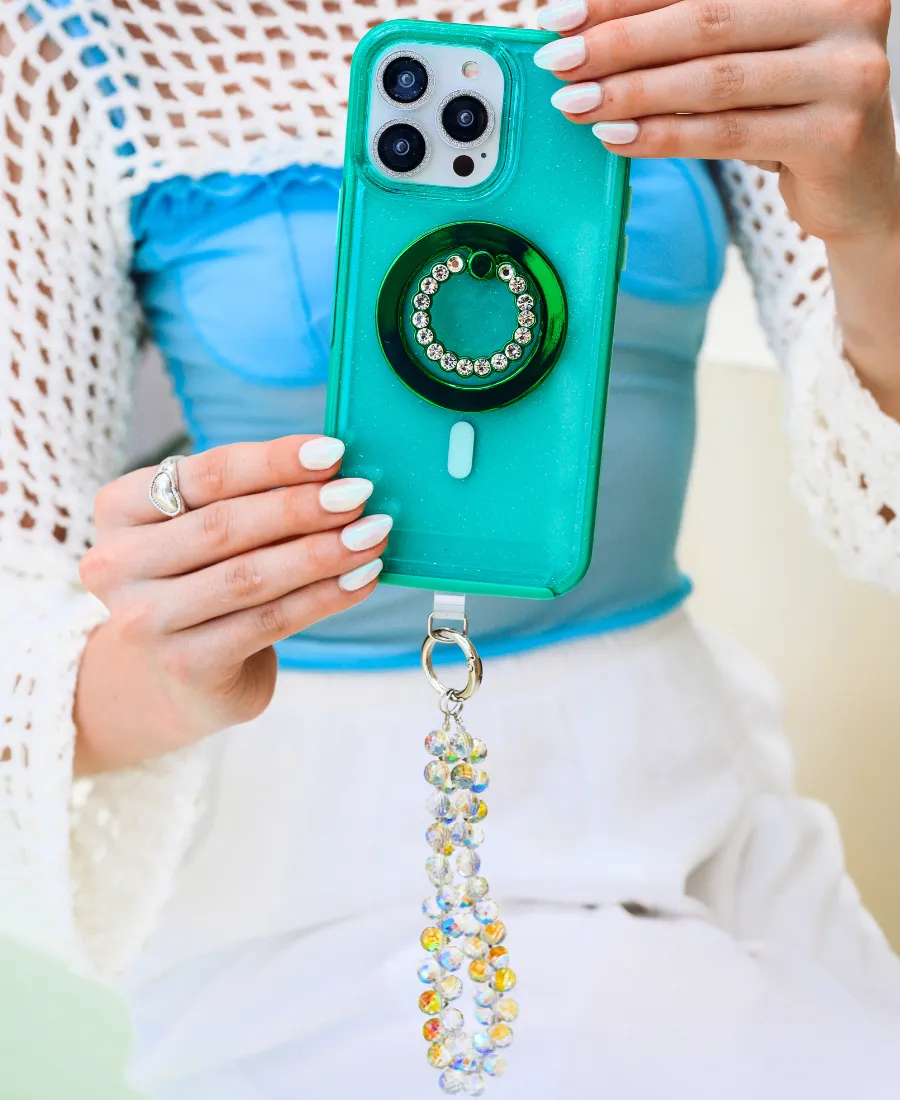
[{"x": 495, "y": 376}]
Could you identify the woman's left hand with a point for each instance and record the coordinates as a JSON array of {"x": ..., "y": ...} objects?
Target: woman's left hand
[{"x": 797, "y": 86}]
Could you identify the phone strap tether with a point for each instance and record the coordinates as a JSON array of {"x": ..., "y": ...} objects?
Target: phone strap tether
[{"x": 466, "y": 932}]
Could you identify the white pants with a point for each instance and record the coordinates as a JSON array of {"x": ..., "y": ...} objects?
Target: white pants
[{"x": 679, "y": 918}]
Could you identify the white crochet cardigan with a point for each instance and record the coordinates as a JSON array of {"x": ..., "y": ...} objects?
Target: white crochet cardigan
[{"x": 99, "y": 100}]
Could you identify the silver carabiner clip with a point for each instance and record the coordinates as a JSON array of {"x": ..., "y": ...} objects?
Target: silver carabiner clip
[{"x": 451, "y": 607}]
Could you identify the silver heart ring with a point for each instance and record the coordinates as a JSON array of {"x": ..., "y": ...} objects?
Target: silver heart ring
[{"x": 164, "y": 494}]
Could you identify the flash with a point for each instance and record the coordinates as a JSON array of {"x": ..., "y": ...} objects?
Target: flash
[{"x": 470, "y": 70}]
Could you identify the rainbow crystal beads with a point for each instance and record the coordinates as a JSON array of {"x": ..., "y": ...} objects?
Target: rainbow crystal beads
[
  {"x": 495, "y": 932},
  {"x": 498, "y": 957},
  {"x": 501, "y": 1035},
  {"x": 468, "y": 863},
  {"x": 452, "y": 1019},
  {"x": 467, "y": 939},
  {"x": 504, "y": 979},
  {"x": 476, "y": 887},
  {"x": 479, "y": 970},
  {"x": 429, "y": 971},
  {"x": 439, "y": 1056},
  {"x": 450, "y": 987},
  {"x": 431, "y": 939},
  {"x": 487, "y": 911},
  {"x": 436, "y": 742},
  {"x": 475, "y": 947},
  {"x": 463, "y": 776},
  {"x": 479, "y": 751},
  {"x": 437, "y": 773},
  {"x": 494, "y": 1064},
  {"x": 451, "y": 958},
  {"x": 459, "y": 746}
]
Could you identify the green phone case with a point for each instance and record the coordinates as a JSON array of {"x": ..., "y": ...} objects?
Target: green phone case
[{"x": 522, "y": 522}]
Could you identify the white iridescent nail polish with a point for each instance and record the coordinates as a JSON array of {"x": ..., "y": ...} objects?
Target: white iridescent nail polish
[
  {"x": 321, "y": 453},
  {"x": 563, "y": 54},
  {"x": 359, "y": 578},
  {"x": 366, "y": 532},
  {"x": 576, "y": 99},
  {"x": 564, "y": 16},
  {"x": 345, "y": 494},
  {"x": 616, "y": 133}
]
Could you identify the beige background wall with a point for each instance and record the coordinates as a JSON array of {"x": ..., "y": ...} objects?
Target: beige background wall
[{"x": 834, "y": 643}]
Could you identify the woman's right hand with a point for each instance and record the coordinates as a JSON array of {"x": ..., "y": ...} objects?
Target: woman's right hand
[{"x": 196, "y": 602}]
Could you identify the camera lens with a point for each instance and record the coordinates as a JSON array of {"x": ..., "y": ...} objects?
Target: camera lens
[
  {"x": 465, "y": 118},
  {"x": 401, "y": 147},
  {"x": 405, "y": 80}
]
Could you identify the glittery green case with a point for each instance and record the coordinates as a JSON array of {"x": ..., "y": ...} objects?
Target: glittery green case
[{"x": 553, "y": 213}]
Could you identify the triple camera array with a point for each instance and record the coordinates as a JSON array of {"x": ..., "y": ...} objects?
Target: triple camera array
[{"x": 463, "y": 119}]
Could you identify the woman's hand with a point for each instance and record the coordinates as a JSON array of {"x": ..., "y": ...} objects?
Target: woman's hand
[
  {"x": 196, "y": 602},
  {"x": 800, "y": 86}
]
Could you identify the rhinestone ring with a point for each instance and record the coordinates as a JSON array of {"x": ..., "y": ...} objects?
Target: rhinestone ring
[{"x": 449, "y": 361}]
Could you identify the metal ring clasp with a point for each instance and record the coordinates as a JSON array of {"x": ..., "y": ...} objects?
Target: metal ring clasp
[{"x": 450, "y": 636}]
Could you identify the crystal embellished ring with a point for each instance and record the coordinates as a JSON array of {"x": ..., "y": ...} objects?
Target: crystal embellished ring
[
  {"x": 482, "y": 365},
  {"x": 494, "y": 371}
]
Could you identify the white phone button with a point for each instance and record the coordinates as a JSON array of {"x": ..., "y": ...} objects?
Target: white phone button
[{"x": 461, "y": 451}]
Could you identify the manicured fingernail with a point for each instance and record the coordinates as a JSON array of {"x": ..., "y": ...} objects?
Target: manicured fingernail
[
  {"x": 575, "y": 99},
  {"x": 366, "y": 532},
  {"x": 359, "y": 578},
  {"x": 345, "y": 494},
  {"x": 564, "y": 53},
  {"x": 563, "y": 17},
  {"x": 321, "y": 453},
  {"x": 616, "y": 133}
]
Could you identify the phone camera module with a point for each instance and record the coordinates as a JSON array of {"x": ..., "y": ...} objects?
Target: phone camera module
[
  {"x": 465, "y": 119},
  {"x": 405, "y": 80},
  {"x": 401, "y": 148}
]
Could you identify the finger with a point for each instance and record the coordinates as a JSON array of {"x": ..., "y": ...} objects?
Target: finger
[
  {"x": 234, "y": 638},
  {"x": 566, "y": 16},
  {"x": 258, "y": 577},
  {"x": 730, "y": 135},
  {"x": 228, "y": 528},
  {"x": 782, "y": 78},
  {"x": 681, "y": 32},
  {"x": 235, "y": 470}
]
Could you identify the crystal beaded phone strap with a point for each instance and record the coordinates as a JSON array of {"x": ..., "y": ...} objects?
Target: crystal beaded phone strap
[{"x": 466, "y": 935}]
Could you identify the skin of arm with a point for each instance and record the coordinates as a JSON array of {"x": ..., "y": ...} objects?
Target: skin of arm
[{"x": 865, "y": 269}]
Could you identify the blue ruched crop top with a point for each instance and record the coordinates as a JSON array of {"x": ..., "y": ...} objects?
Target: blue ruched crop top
[{"x": 235, "y": 275}]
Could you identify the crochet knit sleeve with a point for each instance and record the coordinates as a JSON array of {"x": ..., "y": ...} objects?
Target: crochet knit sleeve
[
  {"x": 83, "y": 868},
  {"x": 846, "y": 451}
]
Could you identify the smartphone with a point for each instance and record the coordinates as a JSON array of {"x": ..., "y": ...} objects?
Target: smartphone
[{"x": 480, "y": 243}]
